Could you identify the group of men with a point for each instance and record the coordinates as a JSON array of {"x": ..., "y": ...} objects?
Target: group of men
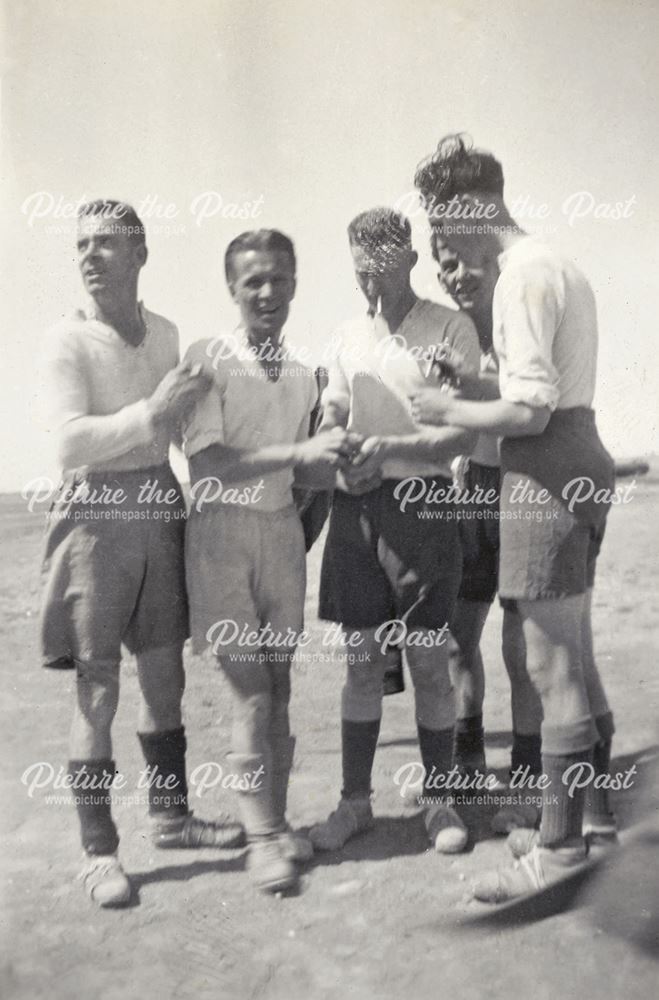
[{"x": 243, "y": 409}]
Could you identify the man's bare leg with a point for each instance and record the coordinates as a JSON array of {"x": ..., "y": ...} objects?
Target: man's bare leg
[
  {"x": 553, "y": 635},
  {"x": 468, "y": 677}
]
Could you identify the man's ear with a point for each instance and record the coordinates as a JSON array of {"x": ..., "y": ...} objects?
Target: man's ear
[
  {"x": 141, "y": 254},
  {"x": 413, "y": 258},
  {"x": 294, "y": 283}
]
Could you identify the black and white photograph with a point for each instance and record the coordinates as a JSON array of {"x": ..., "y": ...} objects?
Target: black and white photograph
[{"x": 329, "y": 500}]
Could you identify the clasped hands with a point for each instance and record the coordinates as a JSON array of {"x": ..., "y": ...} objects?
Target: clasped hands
[{"x": 343, "y": 459}]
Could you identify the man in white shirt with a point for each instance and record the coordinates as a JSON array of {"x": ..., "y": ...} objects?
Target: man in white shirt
[
  {"x": 113, "y": 566},
  {"x": 245, "y": 552},
  {"x": 545, "y": 337},
  {"x": 386, "y": 560},
  {"x": 471, "y": 286}
]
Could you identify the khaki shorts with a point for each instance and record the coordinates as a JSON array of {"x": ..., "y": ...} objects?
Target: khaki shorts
[
  {"x": 246, "y": 575},
  {"x": 113, "y": 568}
]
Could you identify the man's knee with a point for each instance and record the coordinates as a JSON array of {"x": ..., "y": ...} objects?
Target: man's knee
[
  {"x": 430, "y": 675},
  {"x": 98, "y": 694},
  {"x": 466, "y": 629}
]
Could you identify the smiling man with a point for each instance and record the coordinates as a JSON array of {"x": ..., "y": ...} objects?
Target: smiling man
[
  {"x": 246, "y": 562},
  {"x": 545, "y": 335},
  {"x": 471, "y": 283},
  {"x": 114, "y": 569}
]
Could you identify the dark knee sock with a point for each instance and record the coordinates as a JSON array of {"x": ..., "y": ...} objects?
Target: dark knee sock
[
  {"x": 164, "y": 754},
  {"x": 93, "y": 800},
  {"x": 526, "y": 752},
  {"x": 597, "y": 799},
  {"x": 436, "y": 746},
  {"x": 358, "y": 743},
  {"x": 469, "y": 743}
]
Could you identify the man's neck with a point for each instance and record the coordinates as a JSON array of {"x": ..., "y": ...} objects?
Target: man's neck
[
  {"x": 123, "y": 316},
  {"x": 264, "y": 342},
  {"x": 483, "y": 323},
  {"x": 268, "y": 348},
  {"x": 394, "y": 313}
]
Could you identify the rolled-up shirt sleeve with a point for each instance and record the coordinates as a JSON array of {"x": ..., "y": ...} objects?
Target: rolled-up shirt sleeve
[
  {"x": 82, "y": 438},
  {"x": 530, "y": 306}
]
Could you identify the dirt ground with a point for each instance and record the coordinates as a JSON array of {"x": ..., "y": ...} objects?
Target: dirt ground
[{"x": 383, "y": 919}]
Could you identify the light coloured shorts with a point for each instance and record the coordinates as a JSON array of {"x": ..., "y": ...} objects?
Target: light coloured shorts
[{"x": 246, "y": 577}]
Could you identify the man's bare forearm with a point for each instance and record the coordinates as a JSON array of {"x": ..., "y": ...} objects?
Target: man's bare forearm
[
  {"x": 498, "y": 417},
  {"x": 234, "y": 465},
  {"x": 437, "y": 445}
]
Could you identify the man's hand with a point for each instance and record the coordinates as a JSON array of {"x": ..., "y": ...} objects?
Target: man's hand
[
  {"x": 330, "y": 448},
  {"x": 178, "y": 391},
  {"x": 431, "y": 406},
  {"x": 364, "y": 472},
  {"x": 367, "y": 461}
]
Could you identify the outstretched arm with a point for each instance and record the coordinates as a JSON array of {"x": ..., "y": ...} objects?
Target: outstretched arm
[{"x": 497, "y": 416}]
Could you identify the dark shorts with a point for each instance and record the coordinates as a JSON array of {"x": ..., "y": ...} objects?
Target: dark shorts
[
  {"x": 380, "y": 563},
  {"x": 113, "y": 568},
  {"x": 548, "y": 550},
  {"x": 479, "y": 535}
]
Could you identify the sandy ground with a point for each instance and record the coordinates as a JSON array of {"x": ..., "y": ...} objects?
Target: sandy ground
[{"x": 383, "y": 919}]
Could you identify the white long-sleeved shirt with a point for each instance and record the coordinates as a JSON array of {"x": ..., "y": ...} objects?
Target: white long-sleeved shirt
[
  {"x": 544, "y": 328},
  {"x": 374, "y": 373},
  {"x": 96, "y": 387}
]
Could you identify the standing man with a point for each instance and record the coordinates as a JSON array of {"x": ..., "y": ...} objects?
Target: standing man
[
  {"x": 114, "y": 569},
  {"x": 471, "y": 286},
  {"x": 383, "y": 559},
  {"x": 245, "y": 441},
  {"x": 545, "y": 336}
]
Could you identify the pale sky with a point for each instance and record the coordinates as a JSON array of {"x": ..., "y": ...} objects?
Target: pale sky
[{"x": 303, "y": 114}]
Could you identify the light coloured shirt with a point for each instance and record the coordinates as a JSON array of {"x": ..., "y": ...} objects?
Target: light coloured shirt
[
  {"x": 96, "y": 387},
  {"x": 374, "y": 373},
  {"x": 245, "y": 409},
  {"x": 545, "y": 328}
]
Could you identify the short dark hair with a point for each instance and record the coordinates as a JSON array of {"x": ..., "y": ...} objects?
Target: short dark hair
[
  {"x": 380, "y": 229},
  {"x": 121, "y": 213},
  {"x": 457, "y": 168},
  {"x": 258, "y": 239}
]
